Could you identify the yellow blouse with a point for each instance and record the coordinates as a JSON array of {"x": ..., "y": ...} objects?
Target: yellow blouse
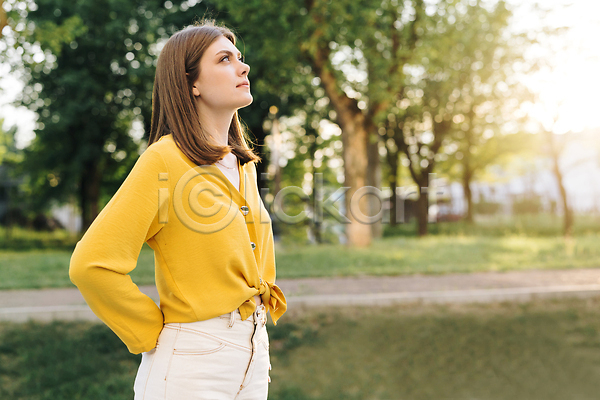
[{"x": 213, "y": 247}]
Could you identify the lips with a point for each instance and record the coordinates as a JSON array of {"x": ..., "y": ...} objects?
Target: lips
[{"x": 246, "y": 84}]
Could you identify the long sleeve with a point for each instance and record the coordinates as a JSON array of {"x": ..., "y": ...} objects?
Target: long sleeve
[{"x": 109, "y": 250}]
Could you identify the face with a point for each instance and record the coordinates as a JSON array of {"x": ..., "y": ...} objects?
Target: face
[{"x": 223, "y": 82}]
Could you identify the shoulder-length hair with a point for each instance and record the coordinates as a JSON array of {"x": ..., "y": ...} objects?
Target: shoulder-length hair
[{"x": 173, "y": 105}]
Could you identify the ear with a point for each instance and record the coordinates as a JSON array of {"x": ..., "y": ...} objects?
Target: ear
[{"x": 195, "y": 90}]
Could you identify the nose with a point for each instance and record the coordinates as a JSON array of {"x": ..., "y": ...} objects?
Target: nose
[{"x": 245, "y": 69}]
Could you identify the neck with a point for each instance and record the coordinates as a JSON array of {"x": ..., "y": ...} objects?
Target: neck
[{"x": 216, "y": 123}]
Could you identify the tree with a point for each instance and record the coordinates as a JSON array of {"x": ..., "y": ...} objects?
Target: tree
[
  {"x": 424, "y": 116},
  {"x": 311, "y": 155},
  {"x": 10, "y": 155},
  {"x": 88, "y": 70},
  {"x": 3, "y": 18},
  {"x": 488, "y": 58},
  {"x": 346, "y": 46},
  {"x": 452, "y": 96},
  {"x": 10, "y": 158},
  {"x": 554, "y": 147},
  {"x": 493, "y": 93}
]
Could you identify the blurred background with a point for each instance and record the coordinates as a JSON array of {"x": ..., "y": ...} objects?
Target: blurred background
[{"x": 474, "y": 120}]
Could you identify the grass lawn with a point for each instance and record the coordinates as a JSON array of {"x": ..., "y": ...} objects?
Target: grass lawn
[
  {"x": 387, "y": 256},
  {"x": 538, "y": 225},
  {"x": 22, "y": 239},
  {"x": 439, "y": 254},
  {"x": 546, "y": 349}
]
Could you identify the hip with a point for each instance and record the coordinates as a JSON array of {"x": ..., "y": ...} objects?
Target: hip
[{"x": 215, "y": 358}]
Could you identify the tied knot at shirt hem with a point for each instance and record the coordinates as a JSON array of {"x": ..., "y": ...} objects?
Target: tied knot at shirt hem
[{"x": 271, "y": 296}]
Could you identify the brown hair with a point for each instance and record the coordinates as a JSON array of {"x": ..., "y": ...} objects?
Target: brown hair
[{"x": 173, "y": 105}]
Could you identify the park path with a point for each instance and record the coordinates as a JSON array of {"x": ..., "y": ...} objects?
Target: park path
[{"x": 68, "y": 304}]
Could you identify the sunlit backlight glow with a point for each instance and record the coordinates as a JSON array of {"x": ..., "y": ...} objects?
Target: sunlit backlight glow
[{"x": 568, "y": 89}]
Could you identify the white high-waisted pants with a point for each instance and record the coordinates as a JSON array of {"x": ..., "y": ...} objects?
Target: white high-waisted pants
[{"x": 223, "y": 358}]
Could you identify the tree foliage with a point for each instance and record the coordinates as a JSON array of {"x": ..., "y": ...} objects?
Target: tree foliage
[
  {"x": 457, "y": 88},
  {"x": 88, "y": 70}
]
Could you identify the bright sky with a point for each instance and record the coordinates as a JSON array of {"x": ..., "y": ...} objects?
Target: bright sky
[
  {"x": 23, "y": 118},
  {"x": 568, "y": 92}
]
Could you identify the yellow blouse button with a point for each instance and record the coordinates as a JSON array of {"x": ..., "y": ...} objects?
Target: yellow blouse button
[
  {"x": 253, "y": 245},
  {"x": 245, "y": 210}
]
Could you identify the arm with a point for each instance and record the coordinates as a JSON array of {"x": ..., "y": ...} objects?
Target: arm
[{"x": 109, "y": 250}]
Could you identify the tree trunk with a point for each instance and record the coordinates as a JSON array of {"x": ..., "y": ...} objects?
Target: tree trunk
[
  {"x": 275, "y": 156},
  {"x": 355, "y": 167},
  {"x": 467, "y": 167},
  {"x": 354, "y": 139},
  {"x": 568, "y": 215},
  {"x": 89, "y": 192},
  {"x": 316, "y": 226},
  {"x": 374, "y": 179},
  {"x": 392, "y": 159},
  {"x": 421, "y": 178},
  {"x": 8, "y": 216},
  {"x": 317, "y": 186},
  {"x": 467, "y": 176},
  {"x": 423, "y": 205}
]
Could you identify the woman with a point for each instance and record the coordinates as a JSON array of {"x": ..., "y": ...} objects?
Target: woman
[{"x": 193, "y": 197}]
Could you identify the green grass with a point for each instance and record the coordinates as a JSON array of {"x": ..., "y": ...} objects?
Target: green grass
[
  {"x": 546, "y": 349},
  {"x": 21, "y": 239},
  {"x": 36, "y": 269},
  {"x": 387, "y": 256},
  {"x": 63, "y": 360},
  {"x": 439, "y": 254},
  {"x": 531, "y": 225}
]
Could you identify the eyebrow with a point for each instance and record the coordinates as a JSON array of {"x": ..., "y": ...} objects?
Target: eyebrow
[{"x": 227, "y": 52}]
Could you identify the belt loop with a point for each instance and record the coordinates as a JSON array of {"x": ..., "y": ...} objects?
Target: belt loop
[
  {"x": 231, "y": 319},
  {"x": 261, "y": 314},
  {"x": 256, "y": 315}
]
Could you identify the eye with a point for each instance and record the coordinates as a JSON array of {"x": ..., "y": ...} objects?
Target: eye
[{"x": 242, "y": 58}]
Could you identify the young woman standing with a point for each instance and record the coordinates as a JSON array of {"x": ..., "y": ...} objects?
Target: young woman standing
[{"x": 193, "y": 197}]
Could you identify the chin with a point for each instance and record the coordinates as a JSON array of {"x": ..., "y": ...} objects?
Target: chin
[{"x": 248, "y": 102}]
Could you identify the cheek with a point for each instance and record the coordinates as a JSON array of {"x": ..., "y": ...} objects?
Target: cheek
[{"x": 219, "y": 81}]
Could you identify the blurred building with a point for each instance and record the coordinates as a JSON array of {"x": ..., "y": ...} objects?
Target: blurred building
[
  {"x": 534, "y": 181},
  {"x": 69, "y": 216}
]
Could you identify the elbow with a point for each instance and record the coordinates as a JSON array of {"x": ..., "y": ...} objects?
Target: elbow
[
  {"x": 75, "y": 274},
  {"x": 77, "y": 267}
]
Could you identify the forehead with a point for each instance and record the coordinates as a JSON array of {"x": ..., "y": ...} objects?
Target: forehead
[{"x": 222, "y": 43}]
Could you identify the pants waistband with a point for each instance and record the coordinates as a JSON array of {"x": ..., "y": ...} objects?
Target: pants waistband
[{"x": 259, "y": 317}]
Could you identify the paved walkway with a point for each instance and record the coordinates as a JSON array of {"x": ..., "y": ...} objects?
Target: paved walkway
[{"x": 48, "y": 304}]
